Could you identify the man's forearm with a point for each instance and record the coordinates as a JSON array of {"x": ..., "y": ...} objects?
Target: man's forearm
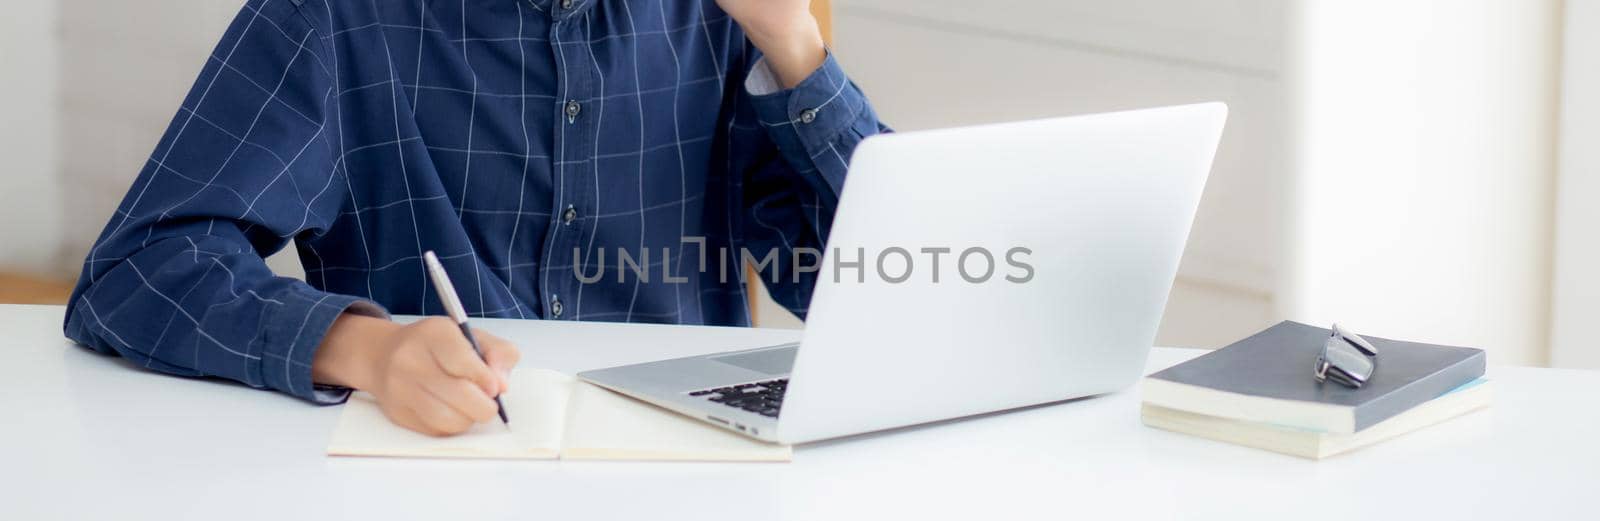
[
  {"x": 347, "y": 353},
  {"x": 786, "y": 33},
  {"x": 793, "y": 51}
]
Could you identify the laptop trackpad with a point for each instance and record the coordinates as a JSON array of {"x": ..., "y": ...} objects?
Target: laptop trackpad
[{"x": 773, "y": 361}]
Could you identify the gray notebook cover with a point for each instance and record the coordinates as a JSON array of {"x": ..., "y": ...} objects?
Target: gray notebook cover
[{"x": 1277, "y": 363}]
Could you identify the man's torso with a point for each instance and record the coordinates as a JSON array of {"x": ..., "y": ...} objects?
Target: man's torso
[{"x": 506, "y": 134}]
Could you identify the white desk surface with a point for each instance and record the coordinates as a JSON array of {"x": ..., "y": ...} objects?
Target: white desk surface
[{"x": 90, "y": 437}]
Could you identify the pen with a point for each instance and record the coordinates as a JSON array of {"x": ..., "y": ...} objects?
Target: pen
[{"x": 452, "y": 307}]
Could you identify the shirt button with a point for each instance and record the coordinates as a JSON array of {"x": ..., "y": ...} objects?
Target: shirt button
[
  {"x": 566, "y": 4},
  {"x": 808, "y": 115},
  {"x": 555, "y": 306},
  {"x": 570, "y": 215},
  {"x": 573, "y": 108}
]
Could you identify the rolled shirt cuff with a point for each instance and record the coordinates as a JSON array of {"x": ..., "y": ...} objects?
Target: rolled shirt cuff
[
  {"x": 293, "y": 333},
  {"x": 812, "y": 114}
]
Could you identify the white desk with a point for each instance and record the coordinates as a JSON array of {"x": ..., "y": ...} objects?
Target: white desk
[{"x": 89, "y": 437}]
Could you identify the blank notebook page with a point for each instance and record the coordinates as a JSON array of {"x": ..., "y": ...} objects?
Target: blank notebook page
[
  {"x": 554, "y": 415},
  {"x": 536, "y": 405},
  {"x": 605, "y": 425}
]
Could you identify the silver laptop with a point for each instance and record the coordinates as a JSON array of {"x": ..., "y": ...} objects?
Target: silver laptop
[{"x": 969, "y": 270}]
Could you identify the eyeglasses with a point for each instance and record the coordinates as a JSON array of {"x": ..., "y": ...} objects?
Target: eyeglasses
[{"x": 1347, "y": 359}]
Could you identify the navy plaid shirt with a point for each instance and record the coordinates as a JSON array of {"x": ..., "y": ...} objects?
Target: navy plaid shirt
[{"x": 517, "y": 138}]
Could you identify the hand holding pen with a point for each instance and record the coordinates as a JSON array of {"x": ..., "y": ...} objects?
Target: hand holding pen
[
  {"x": 457, "y": 314},
  {"x": 425, "y": 375}
]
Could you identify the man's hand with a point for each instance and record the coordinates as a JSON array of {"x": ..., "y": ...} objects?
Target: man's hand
[
  {"x": 425, "y": 375},
  {"x": 785, "y": 32}
]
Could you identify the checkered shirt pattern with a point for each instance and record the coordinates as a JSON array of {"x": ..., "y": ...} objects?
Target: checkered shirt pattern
[{"x": 522, "y": 140}]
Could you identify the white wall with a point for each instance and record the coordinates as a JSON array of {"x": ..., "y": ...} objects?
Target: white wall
[
  {"x": 121, "y": 83},
  {"x": 1576, "y": 281},
  {"x": 937, "y": 63},
  {"x": 1421, "y": 203},
  {"x": 30, "y": 199}
]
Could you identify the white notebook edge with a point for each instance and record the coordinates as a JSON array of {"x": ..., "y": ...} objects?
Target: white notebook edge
[
  {"x": 1237, "y": 406},
  {"x": 1318, "y": 445},
  {"x": 443, "y": 453}
]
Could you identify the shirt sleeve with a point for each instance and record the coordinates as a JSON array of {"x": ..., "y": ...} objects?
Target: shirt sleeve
[
  {"x": 177, "y": 282},
  {"x": 794, "y": 148}
]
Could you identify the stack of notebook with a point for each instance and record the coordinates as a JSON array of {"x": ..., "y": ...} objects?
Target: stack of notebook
[{"x": 1260, "y": 392}]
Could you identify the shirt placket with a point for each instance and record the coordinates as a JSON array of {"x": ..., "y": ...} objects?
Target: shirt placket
[{"x": 574, "y": 197}]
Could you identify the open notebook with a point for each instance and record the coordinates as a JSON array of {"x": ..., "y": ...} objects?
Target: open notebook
[{"x": 554, "y": 415}]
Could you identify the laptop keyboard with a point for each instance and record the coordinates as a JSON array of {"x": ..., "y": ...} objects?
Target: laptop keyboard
[{"x": 764, "y": 398}]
